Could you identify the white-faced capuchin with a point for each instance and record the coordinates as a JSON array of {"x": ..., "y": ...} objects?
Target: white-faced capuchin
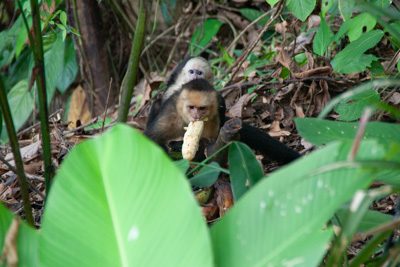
[
  {"x": 196, "y": 100},
  {"x": 187, "y": 70},
  {"x": 165, "y": 115}
]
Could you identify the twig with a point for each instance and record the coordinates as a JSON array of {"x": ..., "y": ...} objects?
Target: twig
[
  {"x": 246, "y": 53},
  {"x": 361, "y": 129},
  {"x": 105, "y": 110},
  {"x": 247, "y": 28},
  {"x": 239, "y": 85},
  {"x": 92, "y": 121},
  {"x": 38, "y": 124},
  {"x": 178, "y": 40}
]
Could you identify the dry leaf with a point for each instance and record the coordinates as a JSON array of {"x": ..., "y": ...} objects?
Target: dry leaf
[
  {"x": 10, "y": 254},
  {"x": 79, "y": 111},
  {"x": 224, "y": 197}
]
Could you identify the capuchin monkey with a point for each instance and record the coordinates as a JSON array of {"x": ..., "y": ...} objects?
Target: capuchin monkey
[
  {"x": 187, "y": 70},
  {"x": 196, "y": 100},
  {"x": 188, "y": 97}
]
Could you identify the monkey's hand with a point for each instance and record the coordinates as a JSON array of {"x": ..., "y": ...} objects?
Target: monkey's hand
[{"x": 191, "y": 139}]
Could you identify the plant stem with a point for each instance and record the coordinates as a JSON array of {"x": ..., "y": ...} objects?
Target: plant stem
[
  {"x": 133, "y": 65},
  {"x": 5, "y": 108},
  {"x": 41, "y": 85}
]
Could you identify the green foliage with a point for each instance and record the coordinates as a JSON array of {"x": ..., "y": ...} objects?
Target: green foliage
[
  {"x": 19, "y": 70},
  {"x": 248, "y": 171},
  {"x": 27, "y": 239},
  {"x": 352, "y": 57},
  {"x": 351, "y": 109},
  {"x": 204, "y": 34},
  {"x": 60, "y": 69},
  {"x": 70, "y": 67},
  {"x": 21, "y": 104},
  {"x": 377, "y": 83},
  {"x": 168, "y": 9},
  {"x": 380, "y": 3},
  {"x": 182, "y": 165},
  {"x": 322, "y": 38},
  {"x": 99, "y": 124},
  {"x": 20, "y": 29},
  {"x": 272, "y": 2},
  {"x": 320, "y": 132},
  {"x": 53, "y": 46},
  {"x": 207, "y": 175},
  {"x": 342, "y": 31},
  {"x": 252, "y": 14},
  {"x": 377, "y": 69},
  {"x": 371, "y": 219},
  {"x": 360, "y": 24},
  {"x": 268, "y": 223},
  {"x": 301, "y": 9},
  {"x": 346, "y": 8},
  {"x": 326, "y": 5}
]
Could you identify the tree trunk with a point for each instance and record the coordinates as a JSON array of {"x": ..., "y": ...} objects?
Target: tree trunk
[{"x": 95, "y": 59}]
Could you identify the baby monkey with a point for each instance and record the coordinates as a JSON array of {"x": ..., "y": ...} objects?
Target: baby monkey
[
  {"x": 197, "y": 100},
  {"x": 187, "y": 70}
]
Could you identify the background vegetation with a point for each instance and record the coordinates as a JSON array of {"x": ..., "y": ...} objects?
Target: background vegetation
[{"x": 312, "y": 73}]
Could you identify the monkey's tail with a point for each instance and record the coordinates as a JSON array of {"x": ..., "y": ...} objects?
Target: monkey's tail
[{"x": 266, "y": 144}]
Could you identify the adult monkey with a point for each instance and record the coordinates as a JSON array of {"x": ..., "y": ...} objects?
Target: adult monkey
[{"x": 191, "y": 69}]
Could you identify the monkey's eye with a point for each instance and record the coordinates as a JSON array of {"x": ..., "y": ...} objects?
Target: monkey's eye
[
  {"x": 202, "y": 108},
  {"x": 199, "y": 72},
  {"x": 191, "y": 107},
  {"x": 191, "y": 71}
]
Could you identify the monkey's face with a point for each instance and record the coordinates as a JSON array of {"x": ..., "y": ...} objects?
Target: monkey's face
[
  {"x": 198, "y": 69},
  {"x": 197, "y": 113},
  {"x": 194, "y": 73}
]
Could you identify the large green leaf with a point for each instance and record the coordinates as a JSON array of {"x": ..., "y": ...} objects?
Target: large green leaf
[
  {"x": 352, "y": 57},
  {"x": 380, "y": 3},
  {"x": 342, "y": 30},
  {"x": 360, "y": 24},
  {"x": 20, "y": 101},
  {"x": 371, "y": 219},
  {"x": 346, "y": 8},
  {"x": 204, "y": 34},
  {"x": 19, "y": 70},
  {"x": 19, "y": 29},
  {"x": 321, "y": 132},
  {"x": 27, "y": 240},
  {"x": 322, "y": 38},
  {"x": 352, "y": 108},
  {"x": 53, "y": 47},
  {"x": 280, "y": 220},
  {"x": 118, "y": 200},
  {"x": 207, "y": 175},
  {"x": 243, "y": 168},
  {"x": 326, "y": 5},
  {"x": 69, "y": 67},
  {"x": 301, "y": 9}
]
